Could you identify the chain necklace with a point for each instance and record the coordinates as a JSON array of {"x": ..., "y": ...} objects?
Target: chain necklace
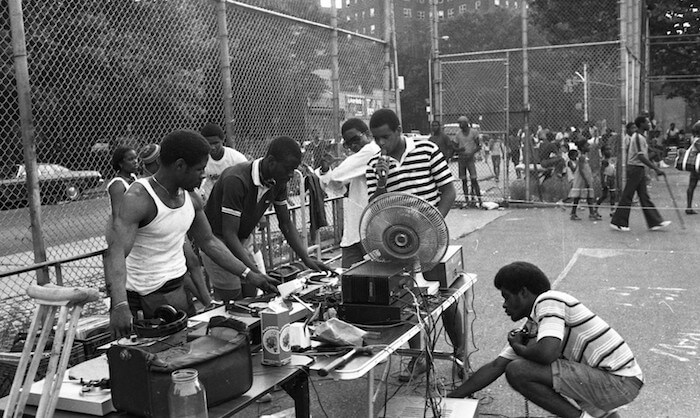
[{"x": 179, "y": 190}]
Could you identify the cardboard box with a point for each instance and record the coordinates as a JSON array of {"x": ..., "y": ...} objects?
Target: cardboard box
[{"x": 274, "y": 327}]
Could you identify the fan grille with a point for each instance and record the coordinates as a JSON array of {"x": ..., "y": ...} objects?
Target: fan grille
[{"x": 399, "y": 226}]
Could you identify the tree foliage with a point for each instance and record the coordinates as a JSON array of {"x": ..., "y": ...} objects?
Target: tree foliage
[
  {"x": 575, "y": 21},
  {"x": 675, "y": 55}
]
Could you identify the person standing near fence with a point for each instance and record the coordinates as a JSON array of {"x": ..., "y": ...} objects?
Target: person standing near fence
[
  {"x": 442, "y": 140},
  {"x": 351, "y": 173},
  {"x": 514, "y": 150},
  {"x": 144, "y": 262},
  {"x": 236, "y": 204},
  {"x": 468, "y": 145},
  {"x": 125, "y": 163},
  {"x": 496, "y": 151},
  {"x": 220, "y": 157},
  {"x": 637, "y": 160},
  {"x": 694, "y": 175},
  {"x": 583, "y": 184}
]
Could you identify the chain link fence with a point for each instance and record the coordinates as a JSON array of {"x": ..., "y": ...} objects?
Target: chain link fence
[
  {"x": 126, "y": 73},
  {"x": 569, "y": 86}
]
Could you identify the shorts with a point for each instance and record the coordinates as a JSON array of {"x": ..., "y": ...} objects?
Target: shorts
[
  {"x": 352, "y": 254},
  {"x": 466, "y": 163},
  {"x": 594, "y": 390},
  {"x": 226, "y": 285}
]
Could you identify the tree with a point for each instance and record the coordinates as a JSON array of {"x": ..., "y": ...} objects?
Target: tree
[
  {"x": 575, "y": 21},
  {"x": 678, "y": 54}
]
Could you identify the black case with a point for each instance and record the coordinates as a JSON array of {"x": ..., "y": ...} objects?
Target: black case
[{"x": 141, "y": 380}]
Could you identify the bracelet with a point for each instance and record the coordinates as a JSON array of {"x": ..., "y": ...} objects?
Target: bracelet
[
  {"x": 122, "y": 303},
  {"x": 244, "y": 275}
]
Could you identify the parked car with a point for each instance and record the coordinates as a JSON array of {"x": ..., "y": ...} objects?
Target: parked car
[{"x": 57, "y": 183}]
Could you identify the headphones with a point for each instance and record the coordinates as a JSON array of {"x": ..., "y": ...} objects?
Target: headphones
[{"x": 166, "y": 321}]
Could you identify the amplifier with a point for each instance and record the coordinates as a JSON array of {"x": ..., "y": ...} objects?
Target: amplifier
[
  {"x": 448, "y": 269},
  {"x": 364, "y": 314},
  {"x": 375, "y": 283}
]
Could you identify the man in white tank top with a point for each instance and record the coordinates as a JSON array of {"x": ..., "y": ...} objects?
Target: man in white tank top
[{"x": 144, "y": 261}]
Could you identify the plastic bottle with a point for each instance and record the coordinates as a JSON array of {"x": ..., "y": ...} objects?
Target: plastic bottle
[{"x": 187, "y": 397}]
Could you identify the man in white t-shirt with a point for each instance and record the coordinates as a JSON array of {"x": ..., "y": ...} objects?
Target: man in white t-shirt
[{"x": 220, "y": 157}]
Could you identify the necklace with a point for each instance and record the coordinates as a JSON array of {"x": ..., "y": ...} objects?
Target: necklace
[{"x": 179, "y": 190}]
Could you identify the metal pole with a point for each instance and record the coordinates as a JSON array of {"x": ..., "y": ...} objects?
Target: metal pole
[
  {"x": 387, "y": 55},
  {"x": 526, "y": 101},
  {"x": 431, "y": 114},
  {"x": 335, "y": 77},
  {"x": 623, "y": 90},
  {"x": 585, "y": 93},
  {"x": 437, "y": 70},
  {"x": 24, "y": 102},
  {"x": 506, "y": 137},
  {"x": 397, "y": 91},
  {"x": 225, "y": 69}
]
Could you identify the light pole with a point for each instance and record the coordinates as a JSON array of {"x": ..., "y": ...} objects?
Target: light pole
[{"x": 584, "y": 80}]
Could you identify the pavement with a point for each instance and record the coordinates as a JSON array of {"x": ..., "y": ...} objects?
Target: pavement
[{"x": 644, "y": 283}]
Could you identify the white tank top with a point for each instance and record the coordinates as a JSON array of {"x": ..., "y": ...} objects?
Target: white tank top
[{"x": 157, "y": 255}]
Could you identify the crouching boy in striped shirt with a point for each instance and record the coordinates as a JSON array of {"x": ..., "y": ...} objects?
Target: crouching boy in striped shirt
[{"x": 563, "y": 351}]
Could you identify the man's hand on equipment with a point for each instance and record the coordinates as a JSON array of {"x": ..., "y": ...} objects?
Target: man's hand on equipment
[
  {"x": 263, "y": 282},
  {"x": 316, "y": 265},
  {"x": 121, "y": 321}
]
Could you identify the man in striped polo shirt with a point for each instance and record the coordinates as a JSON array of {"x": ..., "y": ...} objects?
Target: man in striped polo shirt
[
  {"x": 416, "y": 167},
  {"x": 563, "y": 350}
]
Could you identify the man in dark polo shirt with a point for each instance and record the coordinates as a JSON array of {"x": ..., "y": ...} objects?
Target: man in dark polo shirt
[{"x": 239, "y": 200}]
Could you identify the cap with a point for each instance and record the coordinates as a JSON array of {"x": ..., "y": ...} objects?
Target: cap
[
  {"x": 149, "y": 153},
  {"x": 462, "y": 119},
  {"x": 211, "y": 129}
]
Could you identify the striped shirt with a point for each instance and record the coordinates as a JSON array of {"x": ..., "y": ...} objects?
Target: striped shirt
[
  {"x": 421, "y": 171},
  {"x": 586, "y": 337}
]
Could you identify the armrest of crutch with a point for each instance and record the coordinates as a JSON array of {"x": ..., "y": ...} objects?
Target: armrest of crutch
[{"x": 60, "y": 295}]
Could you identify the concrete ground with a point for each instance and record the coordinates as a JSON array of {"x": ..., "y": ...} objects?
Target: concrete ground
[{"x": 644, "y": 283}]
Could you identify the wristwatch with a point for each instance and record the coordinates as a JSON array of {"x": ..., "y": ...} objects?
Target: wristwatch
[{"x": 244, "y": 275}]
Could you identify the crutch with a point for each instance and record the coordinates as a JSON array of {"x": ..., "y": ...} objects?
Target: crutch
[{"x": 673, "y": 199}]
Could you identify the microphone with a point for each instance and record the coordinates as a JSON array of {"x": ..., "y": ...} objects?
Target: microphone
[{"x": 382, "y": 172}]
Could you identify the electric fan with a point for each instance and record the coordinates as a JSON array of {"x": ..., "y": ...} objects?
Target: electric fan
[{"x": 404, "y": 229}]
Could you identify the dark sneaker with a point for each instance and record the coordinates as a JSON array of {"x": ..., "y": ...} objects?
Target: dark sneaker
[
  {"x": 574, "y": 217},
  {"x": 595, "y": 217},
  {"x": 690, "y": 212}
]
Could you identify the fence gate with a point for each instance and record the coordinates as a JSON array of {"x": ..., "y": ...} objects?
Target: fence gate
[{"x": 478, "y": 88}]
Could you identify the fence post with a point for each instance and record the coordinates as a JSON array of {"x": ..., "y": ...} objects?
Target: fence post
[
  {"x": 19, "y": 50},
  {"x": 335, "y": 78},
  {"x": 225, "y": 68},
  {"x": 436, "y": 68},
  {"x": 526, "y": 103}
]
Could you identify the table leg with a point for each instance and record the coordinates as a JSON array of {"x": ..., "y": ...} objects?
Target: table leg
[
  {"x": 298, "y": 389},
  {"x": 370, "y": 393}
]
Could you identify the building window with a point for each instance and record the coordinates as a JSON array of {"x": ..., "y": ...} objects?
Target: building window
[
  {"x": 371, "y": 12},
  {"x": 462, "y": 8},
  {"x": 450, "y": 12},
  {"x": 441, "y": 14},
  {"x": 406, "y": 12},
  {"x": 421, "y": 15},
  {"x": 372, "y": 29}
]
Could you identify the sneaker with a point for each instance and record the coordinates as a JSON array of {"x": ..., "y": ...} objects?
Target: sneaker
[
  {"x": 574, "y": 217},
  {"x": 595, "y": 217},
  {"x": 620, "y": 228},
  {"x": 660, "y": 226},
  {"x": 690, "y": 212},
  {"x": 415, "y": 368}
]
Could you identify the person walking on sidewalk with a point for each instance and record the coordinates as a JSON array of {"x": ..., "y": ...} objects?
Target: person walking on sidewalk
[
  {"x": 637, "y": 160},
  {"x": 583, "y": 184},
  {"x": 694, "y": 175}
]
